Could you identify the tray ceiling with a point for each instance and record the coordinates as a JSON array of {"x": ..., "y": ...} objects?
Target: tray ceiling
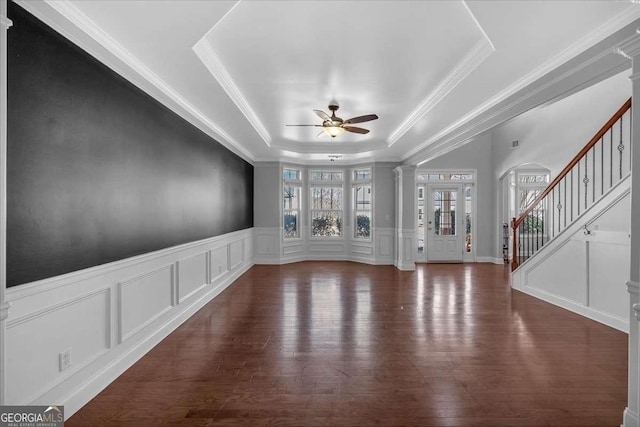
[{"x": 245, "y": 69}]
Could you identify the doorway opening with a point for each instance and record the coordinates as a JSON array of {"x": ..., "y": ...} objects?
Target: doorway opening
[
  {"x": 520, "y": 186},
  {"x": 446, "y": 216}
]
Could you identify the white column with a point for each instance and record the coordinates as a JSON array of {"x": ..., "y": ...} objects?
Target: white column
[
  {"x": 5, "y": 23},
  {"x": 406, "y": 244},
  {"x": 631, "y": 418}
]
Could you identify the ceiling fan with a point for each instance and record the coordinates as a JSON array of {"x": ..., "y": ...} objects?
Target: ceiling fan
[{"x": 335, "y": 126}]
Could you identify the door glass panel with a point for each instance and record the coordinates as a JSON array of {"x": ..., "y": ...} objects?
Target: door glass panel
[
  {"x": 444, "y": 206},
  {"x": 467, "y": 218},
  {"x": 421, "y": 212}
]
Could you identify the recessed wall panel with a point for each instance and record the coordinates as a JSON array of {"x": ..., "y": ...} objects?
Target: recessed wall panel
[
  {"x": 143, "y": 299},
  {"x": 35, "y": 341},
  {"x": 192, "y": 275}
]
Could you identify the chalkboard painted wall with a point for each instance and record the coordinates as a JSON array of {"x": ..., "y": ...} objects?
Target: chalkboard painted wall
[{"x": 98, "y": 170}]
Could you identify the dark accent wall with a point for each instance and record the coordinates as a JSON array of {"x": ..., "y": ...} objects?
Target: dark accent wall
[{"x": 98, "y": 170}]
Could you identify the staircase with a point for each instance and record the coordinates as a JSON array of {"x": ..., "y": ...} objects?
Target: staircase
[
  {"x": 570, "y": 244},
  {"x": 588, "y": 177}
]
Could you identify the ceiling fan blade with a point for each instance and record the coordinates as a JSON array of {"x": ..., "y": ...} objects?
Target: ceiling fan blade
[
  {"x": 322, "y": 132},
  {"x": 361, "y": 119},
  {"x": 355, "y": 129},
  {"x": 324, "y": 116},
  {"x": 317, "y": 126}
]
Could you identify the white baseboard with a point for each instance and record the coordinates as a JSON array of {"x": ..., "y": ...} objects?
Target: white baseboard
[
  {"x": 406, "y": 266},
  {"x": 588, "y": 312},
  {"x": 489, "y": 259},
  {"x": 630, "y": 419}
]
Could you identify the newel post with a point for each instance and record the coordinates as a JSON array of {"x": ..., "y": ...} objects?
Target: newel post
[
  {"x": 631, "y": 49},
  {"x": 5, "y": 23},
  {"x": 514, "y": 261}
]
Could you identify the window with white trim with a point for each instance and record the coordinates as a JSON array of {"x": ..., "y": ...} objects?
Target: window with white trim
[
  {"x": 326, "y": 202},
  {"x": 291, "y": 192},
  {"x": 445, "y": 177},
  {"x": 529, "y": 185},
  {"x": 362, "y": 203}
]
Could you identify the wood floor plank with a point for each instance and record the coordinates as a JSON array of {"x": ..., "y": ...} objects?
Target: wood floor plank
[{"x": 345, "y": 344}]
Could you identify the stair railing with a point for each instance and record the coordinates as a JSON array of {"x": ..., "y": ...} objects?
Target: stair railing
[{"x": 602, "y": 163}]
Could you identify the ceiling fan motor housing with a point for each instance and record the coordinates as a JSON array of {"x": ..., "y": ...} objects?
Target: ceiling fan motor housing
[{"x": 335, "y": 120}]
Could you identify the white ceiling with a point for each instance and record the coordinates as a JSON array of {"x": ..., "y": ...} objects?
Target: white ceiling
[{"x": 244, "y": 69}]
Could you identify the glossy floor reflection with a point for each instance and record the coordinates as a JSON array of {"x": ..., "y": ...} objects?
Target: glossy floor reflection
[{"x": 338, "y": 343}]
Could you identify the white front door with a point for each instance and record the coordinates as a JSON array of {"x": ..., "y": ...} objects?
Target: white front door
[{"x": 444, "y": 229}]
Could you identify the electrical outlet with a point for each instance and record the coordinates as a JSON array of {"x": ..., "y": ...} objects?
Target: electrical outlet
[{"x": 65, "y": 359}]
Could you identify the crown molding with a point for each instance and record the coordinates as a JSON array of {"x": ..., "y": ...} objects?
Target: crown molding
[
  {"x": 207, "y": 55},
  {"x": 446, "y": 136},
  {"x": 322, "y": 159},
  {"x": 330, "y": 147},
  {"x": 402, "y": 170},
  {"x": 484, "y": 33},
  {"x": 159, "y": 88},
  {"x": 630, "y": 48},
  {"x": 478, "y": 53},
  {"x": 628, "y": 16}
]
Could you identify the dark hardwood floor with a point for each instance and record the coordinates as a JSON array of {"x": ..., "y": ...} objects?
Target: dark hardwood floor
[{"x": 346, "y": 344}]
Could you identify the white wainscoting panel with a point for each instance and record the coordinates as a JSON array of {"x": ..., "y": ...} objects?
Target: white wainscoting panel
[
  {"x": 36, "y": 340},
  {"x": 384, "y": 244},
  {"x": 295, "y": 247},
  {"x": 219, "y": 262},
  {"x": 582, "y": 271},
  {"x": 328, "y": 248},
  {"x": 192, "y": 275},
  {"x": 293, "y": 250},
  {"x": 236, "y": 252},
  {"x": 364, "y": 248},
  {"x": 608, "y": 271},
  {"x": 266, "y": 242},
  {"x": 362, "y": 251},
  {"x": 143, "y": 299},
  {"x": 564, "y": 273},
  {"x": 406, "y": 244},
  {"x": 109, "y": 316},
  {"x": 379, "y": 250},
  {"x": 247, "y": 247}
]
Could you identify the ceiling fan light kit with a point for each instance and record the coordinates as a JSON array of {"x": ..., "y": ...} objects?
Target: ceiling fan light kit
[
  {"x": 335, "y": 126},
  {"x": 333, "y": 130}
]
